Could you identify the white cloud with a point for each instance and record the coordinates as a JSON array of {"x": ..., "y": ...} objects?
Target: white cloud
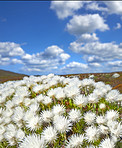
[
  {"x": 114, "y": 7},
  {"x": 10, "y": 49},
  {"x": 27, "y": 56},
  {"x": 75, "y": 67},
  {"x": 65, "y": 8},
  {"x": 94, "y": 58},
  {"x": 4, "y": 60},
  {"x": 118, "y": 26},
  {"x": 96, "y": 6},
  {"x": 95, "y": 64},
  {"x": 103, "y": 50},
  {"x": 88, "y": 37},
  {"x": 111, "y": 7},
  {"x": 16, "y": 61},
  {"x": 52, "y": 52},
  {"x": 88, "y": 23},
  {"x": 48, "y": 60},
  {"x": 115, "y": 64}
]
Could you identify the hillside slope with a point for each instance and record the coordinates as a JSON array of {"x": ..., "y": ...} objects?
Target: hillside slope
[{"x": 9, "y": 76}]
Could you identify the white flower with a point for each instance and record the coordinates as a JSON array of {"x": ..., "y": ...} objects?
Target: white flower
[
  {"x": 99, "y": 84},
  {"x": 115, "y": 75},
  {"x": 86, "y": 82},
  {"x": 18, "y": 114},
  {"x": 17, "y": 100},
  {"x": 112, "y": 96},
  {"x": 104, "y": 129},
  {"x": 59, "y": 94},
  {"x": 51, "y": 92},
  {"x": 75, "y": 141},
  {"x": 2, "y": 99},
  {"x": 9, "y": 104},
  {"x": 89, "y": 117},
  {"x": 27, "y": 101},
  {"x": 58, "y": 109},
  {"x": 119, "y": 98},
  {"x": 100, "y": 119},
  {"x": 1, "y": 111},
  {"x": 49, "y": 134},
  {"x": 52, "y": 82},
  {"x": 93, "y": 98},
  {"x": 38, "y": 88},
  {"x": 20, "y": 135},
  {"x": 39, "y": 98},
  {"x": 98, "y": 92},
  {"x": 92, "y": 134},
  {"x": 34, "y": 107},
  {"x": 47, "y": 100},
  {"x": 80, "y": 100},
  {"x": 115, "y": 128},
  {"x": 2, "y": 129},
  {"x": 28, "y": 114},
  {"x": 7, "y": 113},
  {"x": 46, "y": 116},
  {"x": 33, "y": 123},
  {"x": 32, "y": 141},
  {"x": 62, "y": 124},
  {"x": 111, "y": 115},
  {"x": 6, "y": 120},
  {"x": 91, "y": 77},
  {"x": 11, "y": 142},
  {"x": 10, "y": 132},
  {"x": 106, "y": 143},
  {"x": 102, "y": 106},
  {"x": 71, "y": 91},
  {"x": 75, "y": 115},
  {"x": 1, "y": 137}
]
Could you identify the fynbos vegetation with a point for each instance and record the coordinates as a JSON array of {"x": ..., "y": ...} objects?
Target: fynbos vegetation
[{"x": 57, "y": 112}]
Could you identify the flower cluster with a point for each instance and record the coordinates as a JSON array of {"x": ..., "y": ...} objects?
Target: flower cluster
[{"x": 54, "y": 111}]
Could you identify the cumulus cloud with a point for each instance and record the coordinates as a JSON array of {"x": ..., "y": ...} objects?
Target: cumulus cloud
[
  {"x": 4, "y": 61},
  {"x": 118, "y": 26},
  {"x": 16, "y": 61},
  {"x": 94, "y": 58},
  {"x": 64, "y": 9},
  {"x": 110, "y": 7},
  {"x": 114, "y": 7},
  {"x": 50, "y": 59},
  {"x": 103, "y": 50},
  {"x": 115, "y": 64},
  {"x": 87, "y": 37},
  {"x": 75, "y": 67},
  {"x": 95, "y": 65},
  {"x": 10, "y": 49},
  {"x": 88, "y": 23},
  {"x": 96, "y": 6}
]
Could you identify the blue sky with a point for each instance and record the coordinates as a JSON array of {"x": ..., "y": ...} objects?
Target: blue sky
[{"x": 61, "y": 37}]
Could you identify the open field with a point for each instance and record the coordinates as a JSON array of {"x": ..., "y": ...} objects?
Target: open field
[
  {"x": 107, "y": 78},
  {"x": 52, "y": 111}
]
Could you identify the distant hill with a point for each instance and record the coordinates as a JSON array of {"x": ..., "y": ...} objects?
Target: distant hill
[
  {"x": 107, "y": 78},
  {"x": 9, "y": 76}
]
